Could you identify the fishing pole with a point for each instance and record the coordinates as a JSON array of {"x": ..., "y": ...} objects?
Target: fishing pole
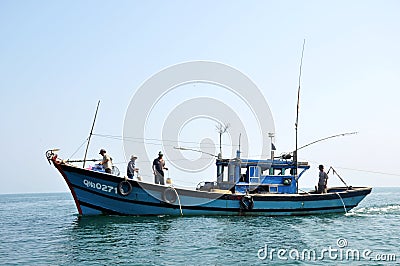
[
  {"x": 288, "y": 156},
  {"x": 187, "y": 149},
  {"x": 79, "y": 161},
  {"x": 326, "y": 138}
]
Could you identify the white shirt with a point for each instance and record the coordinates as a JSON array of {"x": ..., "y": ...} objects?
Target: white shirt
[{"x": 107, "y": 164}]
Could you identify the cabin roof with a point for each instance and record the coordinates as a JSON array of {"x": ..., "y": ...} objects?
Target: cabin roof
[{"x": 268, "y": 163}]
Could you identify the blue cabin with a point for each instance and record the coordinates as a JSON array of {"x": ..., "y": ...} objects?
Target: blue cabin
[{"x": 258, "y": 176}]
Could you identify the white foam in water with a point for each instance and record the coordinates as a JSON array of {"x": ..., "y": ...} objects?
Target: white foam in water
[{"x": 390, "y": 209}]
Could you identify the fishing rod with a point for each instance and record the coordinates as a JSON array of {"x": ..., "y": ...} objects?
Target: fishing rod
[
  {"x": 288, "y": 155},
  {"x": 86, "y": 160},
  {"x": 188, "y": 149},
  {"x": 326, "y": 138}
]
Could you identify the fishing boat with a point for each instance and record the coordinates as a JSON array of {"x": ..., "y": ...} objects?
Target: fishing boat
[{"x": 242, "y": 187}]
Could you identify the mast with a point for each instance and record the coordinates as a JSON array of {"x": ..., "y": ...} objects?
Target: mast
[
  {"x": 90, "y": 135},
  {"x": 295, "y": 158}
]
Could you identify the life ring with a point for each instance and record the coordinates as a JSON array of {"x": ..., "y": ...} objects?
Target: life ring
[
  {"x": 124, "y": 188},
  {"x": 169, "y": 195},
  {"x": 246, "y": 203}
]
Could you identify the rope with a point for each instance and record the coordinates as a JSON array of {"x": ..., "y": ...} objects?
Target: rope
[
  {"x": 367, "y": 171},
  {"x": 335, "y": 173},
  {"x": 304, "y": 191},
  {"x": 342, "y": 202},
  {"x": 179, "y": 200},
  {"x": 146, "y": 140},
  {"x": 358, "y": 170},
  {"x": 78, "y": 148}
]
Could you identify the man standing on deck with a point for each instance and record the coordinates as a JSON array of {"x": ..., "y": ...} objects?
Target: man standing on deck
[
  {"x": 323, "y": 180},
  {"x": 158, "y": 169},
  {"x": 106, "y": 162}
]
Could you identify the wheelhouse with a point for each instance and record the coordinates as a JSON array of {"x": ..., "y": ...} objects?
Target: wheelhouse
[{"x": 257, "y": 176}]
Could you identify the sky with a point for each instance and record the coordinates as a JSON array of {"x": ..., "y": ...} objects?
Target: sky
[{"x": 58, "y": 58}]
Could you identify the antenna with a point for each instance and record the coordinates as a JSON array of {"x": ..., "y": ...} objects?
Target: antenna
[
  {"x": 90, "y": 135},
  {"x": 240, "y": 135},
  {"x": 271, "y": 135},
  {"x": 221, "y": 129},
  {"x": 297, "y": 116}
]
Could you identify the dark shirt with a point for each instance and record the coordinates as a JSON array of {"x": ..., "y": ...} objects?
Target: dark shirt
[
  {"x": 131, "y": 167},
  {"x": 323, "y": 178},
  {"x": 159, "y": 165}
]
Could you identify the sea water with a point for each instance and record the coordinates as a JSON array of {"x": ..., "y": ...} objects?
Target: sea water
[{"x": 44, "y": 229}]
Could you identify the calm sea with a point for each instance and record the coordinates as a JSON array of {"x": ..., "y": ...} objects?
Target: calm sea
[{"x": 43, "y": 229}]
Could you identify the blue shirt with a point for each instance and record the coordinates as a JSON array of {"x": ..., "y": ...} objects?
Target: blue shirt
[{"x": 131, "y": 167}]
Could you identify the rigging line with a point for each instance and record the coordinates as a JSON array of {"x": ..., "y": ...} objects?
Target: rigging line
[
  {"x": 359, "y": 170},
  {"x": 137, "y": 141},
  {"x": 120, "y": 138},
  {"x": 367, "y": 171},
  {"x": 153, "y": 139},
  {"x": 78, "y": 148},
  {"x": 176, "y": 160},
  {"x": 169, "y": 145},
  {"x": 135, "y": 138},
  {"x": 336, "y": 173},
  {"x": 175, "y": 179}
]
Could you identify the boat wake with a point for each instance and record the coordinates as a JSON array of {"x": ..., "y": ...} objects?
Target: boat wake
[{"x": 391, "y": 209}]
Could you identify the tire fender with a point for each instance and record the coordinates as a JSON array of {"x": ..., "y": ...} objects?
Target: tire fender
[{"x": 124, "y": 185}]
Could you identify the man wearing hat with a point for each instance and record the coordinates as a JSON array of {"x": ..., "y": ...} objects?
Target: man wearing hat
[
  {"x": 323, "y": 180},
  {"x": 158, "y": 169},
  {"x": 106, "y": 162},
  {"x": 131, "y": 169}
]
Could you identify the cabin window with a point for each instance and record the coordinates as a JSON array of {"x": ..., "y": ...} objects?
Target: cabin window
[
  {"x": 254, "y": 174},
  {"x": 243, "y": 175},
  {"x": 273, "y": 189},
  {"x": 220, "y": 173},
  {"x": 231, "y": 173},
  {"x": 254, "y": 171},
  {"x": 277, "y": 171}
]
